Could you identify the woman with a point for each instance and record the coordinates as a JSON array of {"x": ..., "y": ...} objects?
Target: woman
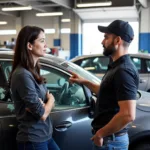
[{"x": 33, "y": 103}]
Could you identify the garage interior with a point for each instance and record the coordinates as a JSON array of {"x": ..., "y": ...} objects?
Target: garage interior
[
  {"x": 71, "y": 30},
  {"x": 66, "y": 22}
]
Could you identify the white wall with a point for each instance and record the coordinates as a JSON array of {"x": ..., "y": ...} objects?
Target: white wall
[
  {"x": 92, "y": 38},
  {"x": 145, "y": 20}
]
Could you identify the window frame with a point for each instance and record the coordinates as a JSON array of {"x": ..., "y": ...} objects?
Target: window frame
[
  {"x": 6, "y": 80},
  {"x": 69, "y": 75},
  {"x": 143, "y": 67},
  {"x": 145, "y": 64}
]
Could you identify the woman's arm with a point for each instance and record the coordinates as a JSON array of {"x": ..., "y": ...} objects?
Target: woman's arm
[{"x": 48, "y": 106}]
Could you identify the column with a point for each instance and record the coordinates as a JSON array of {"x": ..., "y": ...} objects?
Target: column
[
  {"x": 18, "y": 24},
  {"x": 56, "y": 40},
  {"x": 144, "y": 35},
  {"x": 75, "y": 36}
]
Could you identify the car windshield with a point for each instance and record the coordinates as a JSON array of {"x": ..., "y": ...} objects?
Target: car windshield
[{"x": 80, "y": 71}]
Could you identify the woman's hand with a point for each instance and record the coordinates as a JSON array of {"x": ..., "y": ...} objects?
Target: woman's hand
[
  {"x": 48, "y": 106},
  {"x": 43, "y": 104},
  {"x": 50, "y": 98}
]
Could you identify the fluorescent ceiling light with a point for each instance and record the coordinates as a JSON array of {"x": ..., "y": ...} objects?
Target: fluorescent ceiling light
[
  {"x": 16, "y": 8},
  {"x": 49, "y": 14},
  {"x": 7, "y": 32},
  {"x": 65, "y": 20},
  {"x": 107, "y": 3},
  {"x": 49, "y": 31},
  {"x": 65, "y": 30},
  {"x": 3, "y": 22}
]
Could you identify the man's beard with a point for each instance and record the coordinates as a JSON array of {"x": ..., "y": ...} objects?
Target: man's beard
[{"x": 110, "y": 50}]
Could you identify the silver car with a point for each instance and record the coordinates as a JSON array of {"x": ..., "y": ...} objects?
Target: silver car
[
  {"x": 73, "y": 109},
  {"x": 97, "y": 64}
]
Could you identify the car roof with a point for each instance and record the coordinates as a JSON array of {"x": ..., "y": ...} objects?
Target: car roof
[
  {"x": 47, "y": 59},
  {"x": 5, "y": 49},
  {"x": 53, "y": 59},
  {"x": 141, "y": 55}
]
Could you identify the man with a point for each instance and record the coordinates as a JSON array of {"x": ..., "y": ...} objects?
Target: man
[{"x": 116, "y": 103}]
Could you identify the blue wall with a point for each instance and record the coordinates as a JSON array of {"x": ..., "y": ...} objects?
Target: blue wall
[
  {"x": 75, "y": 45},
  {"x": 57, "y": 42},
  {"x": 144, "y": 42}
]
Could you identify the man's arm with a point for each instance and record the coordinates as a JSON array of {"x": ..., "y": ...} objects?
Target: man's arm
[
  {"x": 93, "y": 87},
  {"x": 126, "y": 115},
  {"x": 125, "y": 88}
]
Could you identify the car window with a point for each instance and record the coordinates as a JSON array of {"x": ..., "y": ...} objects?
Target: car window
[
  {"x": 95, "y": 64},
  {"x": 103, "y": 63},
  {"x": 4, "y": 76},
  {"x": 137, "y": 63},
  {"x": 148, "y": 65},
  {"x": 67, "y": 96}
]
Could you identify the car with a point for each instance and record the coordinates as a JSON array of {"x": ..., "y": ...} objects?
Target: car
[
  {"x": 71, "y": 113},
  {"x": 5, "y": 49},
  {"x": 97, "y": 64},
  {"x": 74, "y": 107}
]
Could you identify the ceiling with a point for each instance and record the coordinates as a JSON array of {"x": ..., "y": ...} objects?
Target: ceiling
[{"x": 119, "y": 8}]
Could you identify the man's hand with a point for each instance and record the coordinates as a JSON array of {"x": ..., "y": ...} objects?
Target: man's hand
[
  {"x": 98, "y": 141},
  {"x": 76, "y": 78}
]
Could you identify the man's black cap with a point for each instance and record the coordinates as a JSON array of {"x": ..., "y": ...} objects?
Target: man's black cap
[{"x": 119, "y": 28}]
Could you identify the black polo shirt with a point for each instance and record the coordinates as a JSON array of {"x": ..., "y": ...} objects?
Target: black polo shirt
[{"x": 119, "y": 83}]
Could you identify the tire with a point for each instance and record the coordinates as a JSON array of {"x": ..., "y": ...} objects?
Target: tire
[{"x": 142, "y": 146}]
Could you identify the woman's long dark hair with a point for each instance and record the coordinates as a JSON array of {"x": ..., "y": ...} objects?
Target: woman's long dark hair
[{"x": 23, "y": 56}]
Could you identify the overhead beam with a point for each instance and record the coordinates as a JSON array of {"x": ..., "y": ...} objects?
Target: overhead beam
[
  {"x": 13, "y": 14},
  {"x": 13, "y": 1},
  {"x": 64, "y": 3},
  {"x": 32, "y": 3},
  {"x": 47, "y": 5}
]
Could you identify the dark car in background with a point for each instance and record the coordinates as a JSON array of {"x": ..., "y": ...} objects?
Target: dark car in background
[
  {"x": 73, "y": 111},
  {"x": 97, "y": 64}
]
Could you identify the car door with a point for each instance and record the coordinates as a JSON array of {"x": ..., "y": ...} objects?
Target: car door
[
  {"x": 8, "y": 123},
  {"x": 70, "y": 116},
  {"x": 147, "y": 66},
  {"x": 144, "y": 76}
]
